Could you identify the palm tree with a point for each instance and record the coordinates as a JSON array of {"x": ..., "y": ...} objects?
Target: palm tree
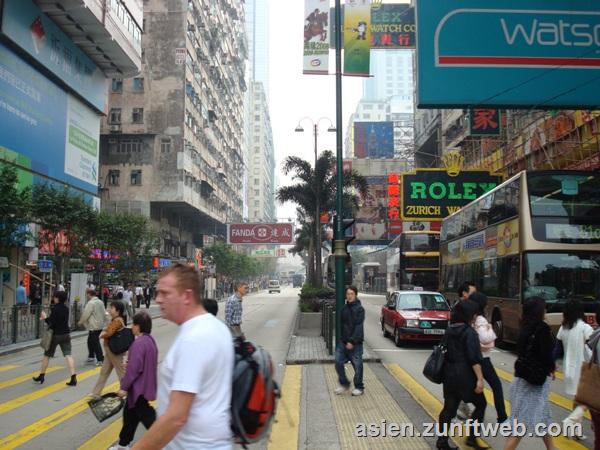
[{"x": 314, "y": 192}]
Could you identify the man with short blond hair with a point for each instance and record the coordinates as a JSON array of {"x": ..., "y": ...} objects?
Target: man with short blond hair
[{"x": 194, "y": 394}]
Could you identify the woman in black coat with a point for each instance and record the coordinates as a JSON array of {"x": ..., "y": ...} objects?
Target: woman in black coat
[
  {"x": 58, "y": 322},
  {"x": 463, "y": 378}
]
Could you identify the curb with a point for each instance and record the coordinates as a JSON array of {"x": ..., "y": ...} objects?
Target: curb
[{"x": 36, "y": 343}]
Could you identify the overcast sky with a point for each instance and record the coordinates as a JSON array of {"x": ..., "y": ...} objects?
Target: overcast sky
[{"x": 294, "y": 95}]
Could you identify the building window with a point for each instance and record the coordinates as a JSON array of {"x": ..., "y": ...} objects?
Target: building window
[
  {"x": 256, "y": 181},
  {"x": 136, "y": 177},
  {"x": 256, "y": 192},
  {"x": 114, "y": 116},
  {"x": 138, "y": 84},
  {"x": 130, "y": 145},
  {"x": 117, "y": 85},
  {"x": 366, "y": 116},
  {"x": 165, "y": 145},
  {"x": 137, "y": 115},
  {"x": 113, "y": 177},
  {"x": 257, "y": 203}
]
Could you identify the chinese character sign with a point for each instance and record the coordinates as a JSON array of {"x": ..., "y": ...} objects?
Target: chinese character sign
[{"x": 485, "y": 122}]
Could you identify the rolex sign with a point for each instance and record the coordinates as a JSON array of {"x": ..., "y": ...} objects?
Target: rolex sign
[{"x": 433, "y": 194}]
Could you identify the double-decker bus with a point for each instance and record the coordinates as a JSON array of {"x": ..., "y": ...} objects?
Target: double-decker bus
[
  {"x": 413, "y": 260},
  {"x": 536, "y": 234}
]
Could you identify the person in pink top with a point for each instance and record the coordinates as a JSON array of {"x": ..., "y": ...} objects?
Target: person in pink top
[
  {"x": 139, "y": 382},
  {"x": 487, "y": 339}
]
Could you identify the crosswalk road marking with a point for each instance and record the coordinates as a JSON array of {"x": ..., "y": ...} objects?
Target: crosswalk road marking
[
  {"x": 47, "y": 423},
  {"x": 6, "y": 368},
  {"x": 107, "y": 436},
  {"x": 27, "y": 377},
  {"x": 425, "y": 398},
  {"x": 560, "y": 442},
  {"x": 555, "y": 398},
  {"x": 27, "y": 398}
]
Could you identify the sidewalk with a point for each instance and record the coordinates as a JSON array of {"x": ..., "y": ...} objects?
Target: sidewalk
[{"x": 20, "y": 346}]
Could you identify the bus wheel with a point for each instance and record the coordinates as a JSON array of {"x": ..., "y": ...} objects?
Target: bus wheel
[
  {"x": 397, "y": 340},
  {"x": 498, "y": 329},
  {"x": 384, "y": 331}
]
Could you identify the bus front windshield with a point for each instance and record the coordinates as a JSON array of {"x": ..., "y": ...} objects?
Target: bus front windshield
[
  {"x": 426, "y": 279},
  {"x": 557, "y": 277},
  {"x": 564, "y": 195},
  {"x": 421, "y": 243}
]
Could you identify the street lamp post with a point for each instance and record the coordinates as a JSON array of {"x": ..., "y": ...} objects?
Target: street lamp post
[{"x": 299, "y": 129}]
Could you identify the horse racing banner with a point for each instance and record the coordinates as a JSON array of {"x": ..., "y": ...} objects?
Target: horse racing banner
[
  {"x": 316, "y": 44},
  {"x": 357, "y": 37}
]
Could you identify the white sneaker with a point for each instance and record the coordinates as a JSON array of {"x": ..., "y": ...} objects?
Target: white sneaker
[
  {"x": 119, "y": 447},
  {"x": 90, "y": 361},
  {"x": 341, "y": 390},
  {"x": 357, "y": 392}
]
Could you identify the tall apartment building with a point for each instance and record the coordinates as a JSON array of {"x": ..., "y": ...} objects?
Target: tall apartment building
[
  {"x": 261, "y": 160},
  {"x": 172, "y": 143},
  {"x": 260, "y": 151}
]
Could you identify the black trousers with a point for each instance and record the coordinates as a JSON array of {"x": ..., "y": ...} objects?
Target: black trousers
[
  {"x": 451, "y": 402},
  {"x": 93, "y": 344},
  {"x": 490, "y": 375},
  {"x": 147, "y": 300},
  {"x": 141, "y": 412}
]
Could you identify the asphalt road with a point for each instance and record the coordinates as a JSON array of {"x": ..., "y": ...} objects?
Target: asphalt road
[
  {"x": 412, "y": 357},
  {"x": 55, "y": 416}
]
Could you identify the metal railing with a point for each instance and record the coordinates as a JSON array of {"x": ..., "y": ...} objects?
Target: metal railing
[
  {"x": 328, "y": 324},
  {"x": 22, "y": 323}
]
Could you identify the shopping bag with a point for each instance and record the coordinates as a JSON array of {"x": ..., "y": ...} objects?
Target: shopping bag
[
  {"x": 588, "y": 389},
  {"x": 106, "y": 406}
]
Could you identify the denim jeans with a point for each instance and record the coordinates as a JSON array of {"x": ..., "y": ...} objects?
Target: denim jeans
[{"x": 355, "y": 356}]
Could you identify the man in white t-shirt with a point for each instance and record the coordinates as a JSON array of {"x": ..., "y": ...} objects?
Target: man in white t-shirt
[
  {"x": 194, "y": 393},
  {"x": 127, "y": 300}
]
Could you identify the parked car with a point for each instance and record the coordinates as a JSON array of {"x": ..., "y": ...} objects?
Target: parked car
[
  {"x": 415, "y": 316},
  {"x": 274, "y": 286}
]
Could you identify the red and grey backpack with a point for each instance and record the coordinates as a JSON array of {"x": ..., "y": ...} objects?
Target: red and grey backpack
[{"x": 254, "y": 394}]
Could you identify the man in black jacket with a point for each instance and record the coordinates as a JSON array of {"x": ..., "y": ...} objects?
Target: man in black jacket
[{"x": 351, "y": 346}]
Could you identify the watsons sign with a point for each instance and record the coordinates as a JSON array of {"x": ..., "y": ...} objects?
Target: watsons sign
[
  {"x": 509, "y": 54},
  {"x": 432, "y": 194}
]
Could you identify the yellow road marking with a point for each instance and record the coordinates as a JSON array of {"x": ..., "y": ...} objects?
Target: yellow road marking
[
  {"x": 107, "y": 436},
  {"x": 47, "y": 423},
  {"x": 5, "y": 368},
  {"x": 284, "y": 432},
  {"x": 560, "y": 442},
  {"x": 557, "y": 399},
  {"x": 425, "y": 398},
  {"x": 24, "y": 399},
  {"x": 28, "y": 377}
]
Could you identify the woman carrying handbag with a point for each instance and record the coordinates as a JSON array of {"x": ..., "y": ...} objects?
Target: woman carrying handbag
[
  {"x": 111, "y": 361},
  {"x": 58, "y": 324}
]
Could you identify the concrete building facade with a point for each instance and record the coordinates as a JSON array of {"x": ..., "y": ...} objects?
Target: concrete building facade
[{"x": 172, "y": 143}]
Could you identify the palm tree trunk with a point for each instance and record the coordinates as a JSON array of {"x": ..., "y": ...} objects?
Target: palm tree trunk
[{"x": 311, "y": 263}]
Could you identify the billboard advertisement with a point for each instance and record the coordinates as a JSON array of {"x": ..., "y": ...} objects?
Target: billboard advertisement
[
  {"x": 316, "y": 29},
  {"x": 517, "y": 53},
  {"x": 357, "y": 37},
  {"x": 34, "y": 113},
  {"x": 392, "y": 26},
  {"x": 28, "y": 27},
  {"x": 260, "y": 233},
  {"x": 432, "y": 194},
  {"x": 374, "y": 140},
  {"x": 371, "y": 217}
]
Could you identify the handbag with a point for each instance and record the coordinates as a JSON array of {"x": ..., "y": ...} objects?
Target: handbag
[
  {"x": 121, "y": 341},
  {"x": 528, "y": 366},
  {"x": 46, "y": 340},
  {"x": 106, "y": 406},
  {"x": 434, "y": 366},
  {"x": 589, "y": 383}
]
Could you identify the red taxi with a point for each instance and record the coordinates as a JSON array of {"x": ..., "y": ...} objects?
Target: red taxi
[{"x": 415, "y": 316}]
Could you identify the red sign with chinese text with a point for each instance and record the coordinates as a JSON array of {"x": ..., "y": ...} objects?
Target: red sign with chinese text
[
  {"x": 485, "y": 122},
  {"x": 260, "y": 233}
]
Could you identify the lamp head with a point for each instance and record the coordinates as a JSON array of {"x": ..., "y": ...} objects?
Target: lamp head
[
  {"x": 299, "y": 129},
  {"x": 332, "y": 129}
]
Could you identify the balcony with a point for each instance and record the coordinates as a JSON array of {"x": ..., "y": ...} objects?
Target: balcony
[{"x": 111, "y": 40}]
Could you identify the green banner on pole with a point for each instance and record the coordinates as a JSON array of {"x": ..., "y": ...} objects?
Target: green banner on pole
[{"x": 357, "y": 37}]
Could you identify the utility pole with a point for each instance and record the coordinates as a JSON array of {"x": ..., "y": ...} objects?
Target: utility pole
[{"x": 340, "y": 247}]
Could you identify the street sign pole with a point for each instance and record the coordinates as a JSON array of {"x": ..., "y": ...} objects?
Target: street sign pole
[{"x": 340, "y": 248}]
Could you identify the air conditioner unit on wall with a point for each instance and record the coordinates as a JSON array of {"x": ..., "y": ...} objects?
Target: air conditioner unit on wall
[{"x": 115, "y": 127}]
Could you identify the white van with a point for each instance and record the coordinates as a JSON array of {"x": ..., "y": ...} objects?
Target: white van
[{"x": 274, "y": 286}]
